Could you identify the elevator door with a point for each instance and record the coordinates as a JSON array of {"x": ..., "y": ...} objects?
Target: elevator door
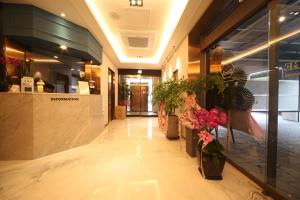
[{"x": 138, "y": 98}]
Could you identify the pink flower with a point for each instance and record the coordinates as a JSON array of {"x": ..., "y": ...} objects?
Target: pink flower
[
  {"x": 205, "y": 137},
  {"x": 214, "y": 111},
  {"x": 223, "y": 118}
]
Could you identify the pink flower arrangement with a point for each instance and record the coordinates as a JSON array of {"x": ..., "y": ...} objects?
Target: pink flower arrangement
[
  {"x": 9, "y": 60},
  {"x": 203, "y": 121}
]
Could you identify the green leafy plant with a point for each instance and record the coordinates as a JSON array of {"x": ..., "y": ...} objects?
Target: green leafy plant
[
  {"x": 170, "y": 93},
  {"x": 123, "y": 94},
  {"x": 204, "y": 83}
]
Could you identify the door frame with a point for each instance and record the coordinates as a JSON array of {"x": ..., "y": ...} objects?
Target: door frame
[{"x": 111, "y": 94}]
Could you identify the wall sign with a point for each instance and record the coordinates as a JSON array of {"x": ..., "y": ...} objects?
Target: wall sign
[{"x": 64, "y": 99}]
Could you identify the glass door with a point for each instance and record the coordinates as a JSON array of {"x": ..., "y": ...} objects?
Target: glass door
[{"x": 139, "y": 98}]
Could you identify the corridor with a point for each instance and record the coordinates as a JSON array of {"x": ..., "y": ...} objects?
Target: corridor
[{"x": 131, "y": 159}]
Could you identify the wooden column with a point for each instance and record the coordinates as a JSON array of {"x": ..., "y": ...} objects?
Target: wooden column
[
  {"x": 2, "y": 69},
  {"x": 274, "y": 13}
]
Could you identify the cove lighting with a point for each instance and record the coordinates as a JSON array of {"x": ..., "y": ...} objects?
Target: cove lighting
[
  {"x": 13, "y": 50},
  {"x": 173, "y": 18},
  {"x": 260, "y": 48},
  {"x": 45, "y": 60}
]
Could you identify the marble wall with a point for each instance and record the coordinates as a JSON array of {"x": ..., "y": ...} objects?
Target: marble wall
[{"x": 35, "y": 125}]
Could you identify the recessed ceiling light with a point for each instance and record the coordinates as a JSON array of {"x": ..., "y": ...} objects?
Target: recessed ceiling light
[
  {"x": 136, "y": 3},
  {"x": 55, "y": 57},
  {"x": 63, "y": 47},
  {"x": 140, "y": 71},
  {"x": 62, "y": 14},
  {"x": 281, "y": 19},
  {"x": 296, "y": 13},
  {"x": 291, "y": 13}
]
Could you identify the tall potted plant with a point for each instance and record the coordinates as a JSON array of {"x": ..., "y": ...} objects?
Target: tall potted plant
[
  {"x": 169, "y": 96},
  {"x": 193, "y": 89}
]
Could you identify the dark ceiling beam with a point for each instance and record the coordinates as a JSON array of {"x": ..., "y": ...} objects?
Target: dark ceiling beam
[
  {"x": 238, "y": 16},
  {"x": 202, "y": 26}
]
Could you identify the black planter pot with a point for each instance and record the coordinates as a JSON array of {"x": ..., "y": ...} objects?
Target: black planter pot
[{"x": 208, "y": 169}]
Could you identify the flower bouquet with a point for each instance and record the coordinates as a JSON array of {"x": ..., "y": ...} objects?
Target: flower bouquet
[{"x": 203, "y": 122}]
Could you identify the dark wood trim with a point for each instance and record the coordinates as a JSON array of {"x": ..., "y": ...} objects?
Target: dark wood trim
[
  {"x": 146, "y": 72},
  {"x": 204, "y": 69},
  {"x": 210, "y": 18},
  {"x": 2, "y": 69},
  {"x": 237, "y": 17},
  {"x": 274, "y": 30}
]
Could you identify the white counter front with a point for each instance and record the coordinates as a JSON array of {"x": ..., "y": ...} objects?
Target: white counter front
[{"x": 35, "y": 125}]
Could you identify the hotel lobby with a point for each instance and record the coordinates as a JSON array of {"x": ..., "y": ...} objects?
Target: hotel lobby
[{"x": 148, "y": 99}]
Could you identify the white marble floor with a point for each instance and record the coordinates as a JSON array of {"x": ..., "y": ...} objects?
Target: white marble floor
[{"x": 130, "y": 160}]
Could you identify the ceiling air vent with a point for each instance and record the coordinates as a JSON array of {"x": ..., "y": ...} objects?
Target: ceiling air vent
[{"x": 138, "y": 42}]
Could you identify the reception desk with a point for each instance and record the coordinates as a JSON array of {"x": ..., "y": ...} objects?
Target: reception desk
[{"x": 35, "y": 125}]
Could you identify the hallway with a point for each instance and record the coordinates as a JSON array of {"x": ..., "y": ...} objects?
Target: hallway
[{"x": 131, "y": 159}]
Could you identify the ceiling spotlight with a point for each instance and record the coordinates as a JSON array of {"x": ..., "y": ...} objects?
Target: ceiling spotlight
[
  {"x": 281, "y": 19},
  {"x": 63, "y": 47},
  {"x": 55, "y": 57},
  {"x": 136, "y": 3},
  {"x": 62, "y": 14},
  {"x": 296, "y": 13},
  {"x": 140, "y": 71},
  {"x": 291, "y": 13}
]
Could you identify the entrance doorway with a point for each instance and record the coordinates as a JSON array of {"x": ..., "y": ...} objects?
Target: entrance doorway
[
  {"x": 139, "y": 95},
  {"x": 111, "y": 95}
]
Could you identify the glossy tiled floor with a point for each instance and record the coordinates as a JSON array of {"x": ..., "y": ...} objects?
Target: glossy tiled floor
[{"x": 130, "y": 160}]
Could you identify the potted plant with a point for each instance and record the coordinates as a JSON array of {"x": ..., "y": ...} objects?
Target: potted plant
[
  {"x": 169, "y": 95},
  {"x": 158, "y": 98},
  {"x": 193, "y": 89},
  {"x": 210, "y": 151},
  {"x": 123, "y": 95}
]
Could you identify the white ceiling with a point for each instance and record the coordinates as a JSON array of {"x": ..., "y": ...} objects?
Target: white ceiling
[{"x": 159, "y": 26}]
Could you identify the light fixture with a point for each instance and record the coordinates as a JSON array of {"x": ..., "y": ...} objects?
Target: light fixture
[
  {"x": 140, "y": 71},
  {"x": 62, "y": 14},
  {"x": 296, "y": 13},
  {"x": 136, "y": 3},
  {"x": 63, "y": 47},
  {"x": 281, "y": 18},
  {"x": 55, "y": 57}
]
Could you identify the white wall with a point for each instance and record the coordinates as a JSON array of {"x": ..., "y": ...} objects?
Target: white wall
[
  {"x": 178, "y": 61},
  {"x": 107, "y": 63}
]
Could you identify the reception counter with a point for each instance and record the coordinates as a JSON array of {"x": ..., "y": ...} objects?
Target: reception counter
[{"x": 35, "y": 125}]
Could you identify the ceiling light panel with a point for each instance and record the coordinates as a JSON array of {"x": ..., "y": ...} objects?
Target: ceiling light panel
[{"x": 172, "y": 14}]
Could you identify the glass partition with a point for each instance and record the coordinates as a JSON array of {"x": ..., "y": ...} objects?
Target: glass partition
[{"x": 261, "y": 67}]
